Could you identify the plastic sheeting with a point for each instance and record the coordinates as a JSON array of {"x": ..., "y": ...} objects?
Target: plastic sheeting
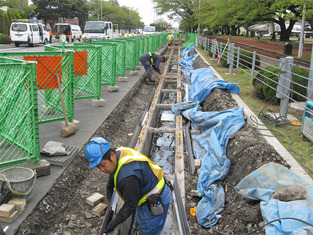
[
  {"x": 187, "y": 61},
  {"x": 210, "y": 147},
  {"x": 262, "y": 183},
  {"x": 203, "y": 81}
]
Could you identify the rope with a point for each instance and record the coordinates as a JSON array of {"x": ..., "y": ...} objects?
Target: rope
[{"x": 18, "y": 193}]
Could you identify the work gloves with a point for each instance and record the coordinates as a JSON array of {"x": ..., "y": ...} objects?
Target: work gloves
[
  {"x": 111, "y": 226},
  {"x": 160, "y": 73}
]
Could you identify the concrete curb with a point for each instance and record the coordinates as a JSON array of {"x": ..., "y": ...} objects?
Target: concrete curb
[{"x": 269, "y": 137}]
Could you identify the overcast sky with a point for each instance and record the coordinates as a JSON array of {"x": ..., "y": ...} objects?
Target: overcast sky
[{"x": 145, "y": 9}]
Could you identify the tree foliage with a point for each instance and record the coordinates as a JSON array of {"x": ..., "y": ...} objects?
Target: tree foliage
[{"x": 183, "y": 10}]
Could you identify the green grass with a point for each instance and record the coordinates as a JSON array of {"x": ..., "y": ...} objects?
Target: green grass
[{"x": 284, "y": 134}]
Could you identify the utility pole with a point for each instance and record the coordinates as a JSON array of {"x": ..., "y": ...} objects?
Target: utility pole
[
  {"x": 300, "y": 51},
  {"x": 101, "y": 10},
  {"x": 199, "y": 18},
  {"x": 21, "y": 2}
]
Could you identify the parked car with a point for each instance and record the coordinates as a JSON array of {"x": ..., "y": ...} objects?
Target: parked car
[{"x": 28, "y": 33}]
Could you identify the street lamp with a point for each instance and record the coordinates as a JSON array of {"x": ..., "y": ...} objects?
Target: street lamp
[{"x": 199, "y": 18}]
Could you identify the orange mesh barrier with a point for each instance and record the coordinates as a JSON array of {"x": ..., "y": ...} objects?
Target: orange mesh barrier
[
  {"x": 47, "y": 67},
  {"x": 80, "y": 63}
]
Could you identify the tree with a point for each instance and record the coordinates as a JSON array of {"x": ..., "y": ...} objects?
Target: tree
[
  {"x": 51, "y": 10},
  {"x": 179, "y": 10}
]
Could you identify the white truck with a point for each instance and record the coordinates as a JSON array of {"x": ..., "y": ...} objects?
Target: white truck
[
  {"x": 28, "y": 33},
  {"x": 98, "y": 30}
]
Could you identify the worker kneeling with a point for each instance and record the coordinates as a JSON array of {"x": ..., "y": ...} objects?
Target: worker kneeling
[
  {"x": 138, "y": 181},
  {"x": 152, "y": 60}
]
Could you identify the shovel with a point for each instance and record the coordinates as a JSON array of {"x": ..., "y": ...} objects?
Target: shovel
[{"x": 69, "y": 129}]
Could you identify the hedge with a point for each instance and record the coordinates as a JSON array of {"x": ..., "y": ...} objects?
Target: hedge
[
  {"x": 267, "y": 79},
  {"x": 5, "y": 39}
]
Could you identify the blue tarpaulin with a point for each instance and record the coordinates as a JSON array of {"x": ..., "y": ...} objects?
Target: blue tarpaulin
[
  {"x": 203, "y": 81},
  {"x": 210, "y": 147},
  {"x": 187, "y": 61},
  {"x": 262, "y": 183}
]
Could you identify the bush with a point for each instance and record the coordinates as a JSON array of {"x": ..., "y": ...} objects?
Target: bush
[
  {"x": 265, "y": 83},
  {"x": 5, "y": 39}
]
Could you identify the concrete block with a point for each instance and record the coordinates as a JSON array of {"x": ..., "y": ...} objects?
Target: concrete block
[
  {"x": 122, "y": 79},
  {"x": 19, "y": 203},
  {"x": 138, "y": 67},
  {"x": 112, "y": 88},
  {"x": 7, "y": 210},
  {"x": 99, "y": 209},
  {"x": 197, "y": 163},
  {"x": 11, "y": 218},
  {"x": 42, "y": 169},
  {"x": 75, "y": 122},
  {"x": 95, "y": 199},
  {"x": 97, "y": 103},
  {"x": 134, "y": 73}
]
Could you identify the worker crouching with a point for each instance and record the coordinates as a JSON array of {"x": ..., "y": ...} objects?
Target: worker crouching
[
  {"x": 138, "y": 181},
  {"x": 152, "y": 60}
]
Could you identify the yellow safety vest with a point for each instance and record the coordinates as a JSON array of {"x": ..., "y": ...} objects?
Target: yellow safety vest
[
  {"x": 152, "y": 62},
  {"x": 170, "y": 37},
  {"x": 129, "y": 155}
]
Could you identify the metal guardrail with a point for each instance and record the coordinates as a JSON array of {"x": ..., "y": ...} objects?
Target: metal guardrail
[{"x": 282, "y": 75}]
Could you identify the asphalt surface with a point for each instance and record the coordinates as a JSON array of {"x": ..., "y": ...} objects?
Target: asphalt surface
[{"x": 90, "y": 118}]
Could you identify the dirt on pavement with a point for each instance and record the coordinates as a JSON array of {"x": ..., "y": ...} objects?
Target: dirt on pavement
[{"x": 64, "y": 209}]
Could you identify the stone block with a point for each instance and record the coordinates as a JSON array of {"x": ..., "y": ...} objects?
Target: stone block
[
  {"x": 7, "y": 210},
  {"x": 134, "y": 73},
  {"x": 95, "y": 199},
  {"x": 11, "y": 218},
  {"x": 122, "y": 79},
  {"x": 112, "y": 88},
  {"x": 97, "y": 103},
  {"x": 75, "y": 122},
  {"x": 99, "y": 209},
  {"x": 42, "y": 169},
  {"x": 138, "y": 67},
  {"x": 19, "y": 203}
]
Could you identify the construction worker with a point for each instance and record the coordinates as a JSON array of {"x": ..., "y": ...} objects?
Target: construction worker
[
  {"x": 170, "y": 39},
  {"x": 136, "y": 179},
  {"x": 50, "y": 34},
  {"x": 151, "y": 59}
]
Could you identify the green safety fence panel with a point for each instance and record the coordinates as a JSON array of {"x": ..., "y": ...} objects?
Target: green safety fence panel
[
  {"x": 49, "y": 65},
  {"x": 120, "y": 56},
  {"x": 108, "y": 61},
  {"x": 141, "y": 46},
  {"x": 19, "y": 125},
  {"x": 191, "y": 37},
  {"x": 146, "y": 47},
  {"x": 131, "y": 52},
  {"x": 86, "y": 69}
]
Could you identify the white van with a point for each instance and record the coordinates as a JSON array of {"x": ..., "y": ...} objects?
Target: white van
[
  {"x": 69, "y": 30},
  {"x": 28, "y": 33},
  {"x": 98, "y": 30}
]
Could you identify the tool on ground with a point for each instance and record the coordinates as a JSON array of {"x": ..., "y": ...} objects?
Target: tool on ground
[
  {"x": 5, "y": 195},
  {"x": 109, "y": 212},
  {"x": 69, "y": 129},
  {"x": 220, "y": 56}
]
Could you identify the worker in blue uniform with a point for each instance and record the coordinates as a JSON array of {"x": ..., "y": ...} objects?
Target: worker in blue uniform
[
  {"x": 138, "y": 181},
  {"x": 152, "y": 60}
]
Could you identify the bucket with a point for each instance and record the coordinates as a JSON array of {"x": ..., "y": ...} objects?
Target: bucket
[{"x": 19, "y": 180}]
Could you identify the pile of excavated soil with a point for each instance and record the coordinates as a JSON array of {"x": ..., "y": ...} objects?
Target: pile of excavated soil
[
  {"x": 64, "y": 210},
  {"x": 247, "y": 150}
]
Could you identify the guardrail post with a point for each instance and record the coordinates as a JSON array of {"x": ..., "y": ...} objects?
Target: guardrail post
[
  {"x": 309, "y": 91},
  {"x": 283, "y": 85},
  {"x": 205, "y": 43},
  {"x": 213, "y": 49},
  {"x": 197, "y": 40},
  {"x": 230, "y": 57},
  {"x": 253, "y": 64},
  {"x": 238, "y": 57}
]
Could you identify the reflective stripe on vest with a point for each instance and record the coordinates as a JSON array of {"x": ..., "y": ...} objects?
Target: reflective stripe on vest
[
  {"x": 129, "y": 155},
  {"x": 152, "y": 62}
]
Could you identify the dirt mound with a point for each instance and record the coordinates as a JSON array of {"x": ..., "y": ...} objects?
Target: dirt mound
[{"x": 247, "y": 151}]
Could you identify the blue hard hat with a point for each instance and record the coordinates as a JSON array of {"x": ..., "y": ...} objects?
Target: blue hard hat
[{"x": 95, "y": 150}]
